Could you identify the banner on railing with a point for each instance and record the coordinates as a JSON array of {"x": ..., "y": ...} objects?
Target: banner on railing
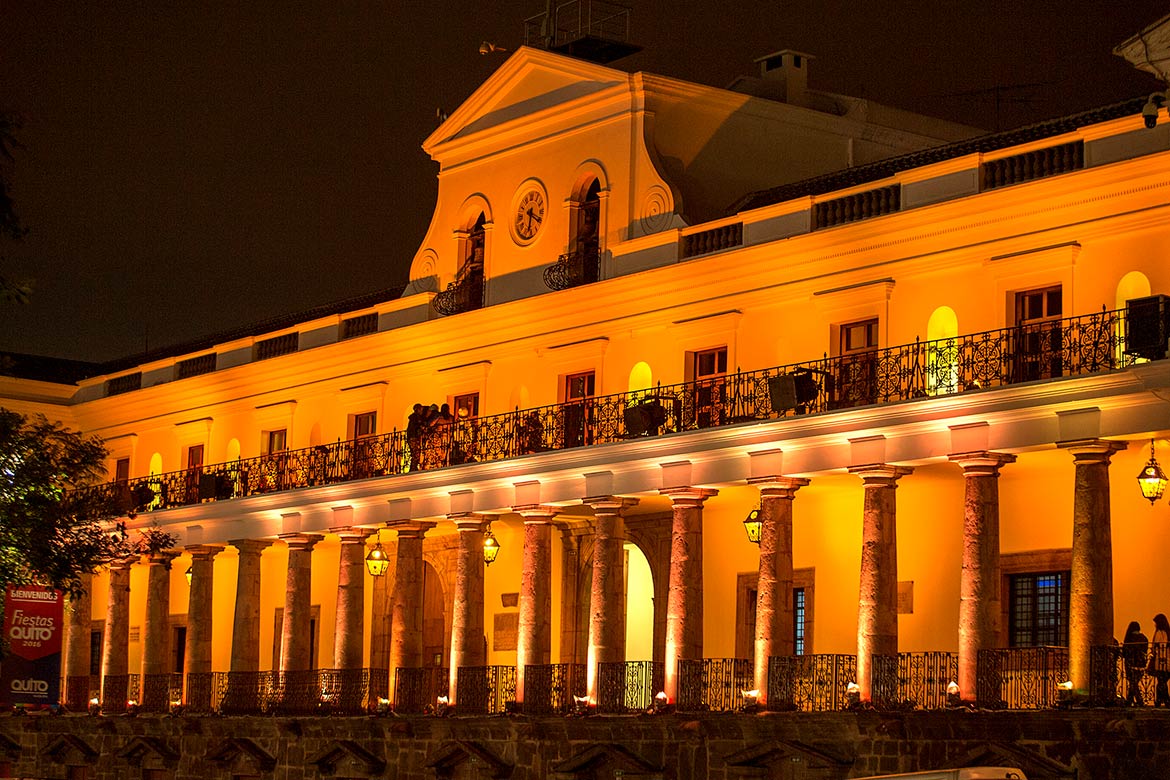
[{"x": 33, "y": 622}]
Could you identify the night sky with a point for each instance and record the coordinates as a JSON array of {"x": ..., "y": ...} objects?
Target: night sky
[{"x": 211, "y": 165}]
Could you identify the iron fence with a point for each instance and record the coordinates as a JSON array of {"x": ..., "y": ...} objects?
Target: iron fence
[
  {"x": 549, "y": 688},
  {"x": 485, "y": 690},
  {"x": 418, "y": 690},
  {"x": 1125, "y": 675},
  {"x": 1020, "y": 678},
  {"x": 159, "y": 691},
  {"x": 628, "y": 686},
  {"x": 714, "y": 684},
  {"x": 78, "y": 690},
  {"x": 913, "y": 680},
  {"x": 811, "y": 683},
  {"x": 308, "y": 692},
  {"x": 1070, "y": 347},
  {"x": 118, "y": 690}
]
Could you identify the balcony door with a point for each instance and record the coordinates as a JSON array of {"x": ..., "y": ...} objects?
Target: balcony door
[
  {"x": 579, "y": 390},
  {"x": 857, "y": 363},
  {"x": 1039, "y": 344},
  {"x": 710, "y": 376}
]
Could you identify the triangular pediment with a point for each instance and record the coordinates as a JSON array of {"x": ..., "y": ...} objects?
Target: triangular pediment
[
  {"x": 452, "y": 754},
  {"x": 66, "y": 746},
  {"x": 766, "y": 754},
  {"x": 347, "y": 755},
  {"x": 1035, "y": 765},
  {"x": 235, "y": 749},
  {"x": 618, "y": 758},
  {"x": 141, "y": 747},
  {"x": 530, "y": 81}
]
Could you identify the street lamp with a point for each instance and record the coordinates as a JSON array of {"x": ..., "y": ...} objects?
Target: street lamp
[
  {"x": 491, "y": 547},
  {"x": 753, "y": 524},
  {"x": 1151, "y": 479},
  {"x": 376, "y": 560}
]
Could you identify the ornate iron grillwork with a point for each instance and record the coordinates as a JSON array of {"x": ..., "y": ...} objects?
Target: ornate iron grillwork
[
  {"x": 1020, "y": 678},
  {"x": 466, "y": 292},
  {"x": 417, "y": 690},
  {"x": 628, "y": 686},
  {"x": 485, "y": 690},
  {"x": 549, "y": 688},
  {"x": 159, "y": 690},
  {"x": 1072, "y": 347},
  {"x": 1114, "y": 682},
  {"x": 199, "y": 692},
  {"x": 713, "y": 684},
  {"x": 79, "y": 690},
  {"x": 573, "y": 269},
  {"x": 118, "y": 690},
  {"x": 308, "y": 692},
  {"x": 811, "y": 683},
  {"x": 910, "y": 680}
]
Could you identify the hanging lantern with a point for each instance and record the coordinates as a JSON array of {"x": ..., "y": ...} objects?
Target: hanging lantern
[
  {"x": 491, "y": 547},
  {"x": 1152, "y": 480},
  {"x": 753, "y": 526},
  {"x": 376, "y": 560},
  {"x": 187, "y": 573}
]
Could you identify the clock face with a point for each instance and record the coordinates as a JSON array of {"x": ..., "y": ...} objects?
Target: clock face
[{"x": 529, "y": 215}]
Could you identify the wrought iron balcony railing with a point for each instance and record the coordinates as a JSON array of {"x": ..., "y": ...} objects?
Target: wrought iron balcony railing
[
  {"x": 810, "y": 683},
  {"x": 485, "y": 690},
  {"x": 573, "y": 269},
  {"x": 713, "y": 684},
  {"x": 1020, "y": 678},
  {"x": 417, "y": 691},
  {"x": 310, "y": 692},
  {"x": 628, "y": 686},
  {"x": 549, "y": 688},
  {"x": 913, "y": 680},
  {"x": 1072, "y": 347}
]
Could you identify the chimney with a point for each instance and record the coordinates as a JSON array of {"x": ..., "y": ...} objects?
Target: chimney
[{"x": 787, "y": 69}]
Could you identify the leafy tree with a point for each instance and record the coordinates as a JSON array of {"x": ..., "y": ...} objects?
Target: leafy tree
[{"x": 52, "y": 531}]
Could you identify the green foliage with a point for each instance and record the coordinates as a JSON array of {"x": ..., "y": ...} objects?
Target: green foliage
[{"x": 51, "y": 530}]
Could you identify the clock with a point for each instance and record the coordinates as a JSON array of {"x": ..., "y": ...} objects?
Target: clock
[{"x": 529, "y": 215}]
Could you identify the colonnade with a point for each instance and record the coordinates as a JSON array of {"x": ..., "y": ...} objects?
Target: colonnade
[{"x": 1090, "y": 620}]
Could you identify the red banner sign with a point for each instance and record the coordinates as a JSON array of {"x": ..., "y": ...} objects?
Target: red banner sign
[{"x": 33, "y": 624}]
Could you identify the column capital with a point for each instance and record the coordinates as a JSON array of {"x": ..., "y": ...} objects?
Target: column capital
[
  {"x": 981, "y": 463},
  {"x": 352, "y": 534},
  {"x": 537, "y": 513},
  {"x": 203, "y": 552},
  {"x": 300, "y": 542},
  {"x": 1092, "y": 450},
  {"x": 160, "y": 558},
  {"x": 470, "y": 521},
  {"x": 778, "y": 487},
  {"x": 688, "y": 496},
  {"x": 880, "y": 474},
  {"x": 411, "y": 529},
  {"x": 250, "y": 546},
  {"x": 609, "y": 505},
  {"x": 122, "y": 563}
]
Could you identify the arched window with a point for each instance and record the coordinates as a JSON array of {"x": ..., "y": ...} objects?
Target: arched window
[
  {"x": 471, "y": 272},
  {"x": 586, "y": 240},
  {"x": 942, "y": 352}
]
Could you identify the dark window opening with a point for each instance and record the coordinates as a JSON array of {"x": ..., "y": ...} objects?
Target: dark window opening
[{"x": 1038, "y": 610}]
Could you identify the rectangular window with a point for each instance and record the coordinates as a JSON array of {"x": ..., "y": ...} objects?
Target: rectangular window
[
  {"x": 277, "y": 441},
  {"x": 710, "y": 363},
  {"x": 365, "y": 424},
  {"x": 798, "y": 616},
  {"x": 709, "y": 368},
  {"x": 1039, "y": 352},
  {"x": 195, "y": 456},
  {"x": 95, "y": 653},
  {"x": 1038, "y": 609},
  {"x": 579, "y": 386},
  {"x": 178, "y": 649},
  {"x": 465, "y": 406},
  {"x": 578, "y": 412},
  {"x": 856, "y": 383},
  {"x": 861, "y": 336},
  {"x": 122, "y": 470}
]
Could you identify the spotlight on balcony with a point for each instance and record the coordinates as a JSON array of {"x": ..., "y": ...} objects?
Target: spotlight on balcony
[
  {"x": 1151, "y": 479},
  {"x": 376, "y": 560},
  {"x": 853, "y": 695},
  {"x": 953, "y": 697},
  {"x": 753, "y": 525},
  {"x": 661, "y": 703},
  {"x": 491, "y": 547}
]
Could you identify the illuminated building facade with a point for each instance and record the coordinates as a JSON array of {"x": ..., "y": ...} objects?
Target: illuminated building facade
[{"x": 934, "y": 369}]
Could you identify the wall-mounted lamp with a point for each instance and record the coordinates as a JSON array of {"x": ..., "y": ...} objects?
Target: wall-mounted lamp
[
  {"x": 753, "y": 525},
  {"x": 187, "y": 573},
  {"x": 1151, "y": 479},
  {"x": 491, "y": 547},
  {"x": 376, "y": 560}
]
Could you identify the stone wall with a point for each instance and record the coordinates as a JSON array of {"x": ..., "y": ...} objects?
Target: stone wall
[{"x": 1086, "y": 744}]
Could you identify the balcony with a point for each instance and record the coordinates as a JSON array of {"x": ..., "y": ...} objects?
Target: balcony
[
  {"x": 573, "y": 269},
  {"x": 466, "y": 292},
  {"x": 1072, "y": 347}
]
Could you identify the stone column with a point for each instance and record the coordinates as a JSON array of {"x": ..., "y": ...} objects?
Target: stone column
[
  {"x": 877, "y": 608},
  {"x": 467, "y": 638},
  {"x": 349, "y": 627},
  {"x": 380, "y": 607},
  {"x": 296, "y": 654},
  {"x": 79, "y": 618},
  {"x": 979, "y": 596},
  {"x": 246, "y": 620},
  {"x": 116, "y": 639},
  {"x": 158, "y": 607},
  {"x": 607, "y": 608},
  {"x": 406, "y": 612},
  {"x": 684, "y": 606},
  {"x": 1091, "y": 590},
  {"x": 534, "y": 637},
  {"x": 197, "y": 655},
  {"x": 774, "y": 613}
]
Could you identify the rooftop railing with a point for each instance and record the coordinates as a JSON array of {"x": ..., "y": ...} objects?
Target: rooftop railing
[{"x": 1061, "y": 348}]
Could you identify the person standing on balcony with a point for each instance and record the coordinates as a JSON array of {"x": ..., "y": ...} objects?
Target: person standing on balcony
[
  {"x": 1159, "y": 665},
  {"x": 414, "y": 433},
  {"x": 1134, "y": 651}
]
